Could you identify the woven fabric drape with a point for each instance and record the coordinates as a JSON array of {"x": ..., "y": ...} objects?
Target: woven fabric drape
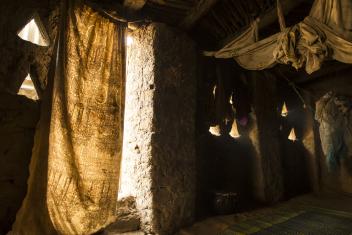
[
  {"x": 325, "y": 34},
  {"x": 76, "y": 178},
  {"x": 337, "y": 14}
]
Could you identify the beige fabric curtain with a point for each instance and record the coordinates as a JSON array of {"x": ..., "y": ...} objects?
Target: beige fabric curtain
[
  {"x": 74, "y": 176},
  {"x": 305, "y": 45},
  {"x": 335, "y": 14}
]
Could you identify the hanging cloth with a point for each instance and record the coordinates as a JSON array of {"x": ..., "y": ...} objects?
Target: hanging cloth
[
  {"x": 335, "y": 14},
  {"x": 333, "y": 112},
  {"x": 74, "y": 177},
  {"x": 305, "y": 45}
]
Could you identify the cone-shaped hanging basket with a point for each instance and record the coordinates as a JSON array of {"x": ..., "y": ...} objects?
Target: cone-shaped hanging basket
[
  {"x": 234, "y": 130},
  {"x": 215, "y": 130},
  {"x": 292, "y": 135},
  {"x": 284, "y": 111}
]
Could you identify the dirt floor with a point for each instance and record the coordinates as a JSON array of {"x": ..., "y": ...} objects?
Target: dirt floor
[{"x": 218, "y": 225}]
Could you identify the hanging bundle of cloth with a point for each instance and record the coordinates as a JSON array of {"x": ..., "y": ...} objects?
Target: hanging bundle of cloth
[
  {"x": 334, "y": 114},
  {"x": 74, "y": 172},
  {"x": 325, "y": 34}
]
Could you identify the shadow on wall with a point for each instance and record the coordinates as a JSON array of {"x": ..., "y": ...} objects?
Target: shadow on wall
[
  {"x": 294, "y": 154},
  {"x": 335, "y": 77},
  {"x": 230, "y": 165},
  {"x": 224, "y": 164},
  {"x": 295, "y": 168},
  {"x": 18, "y": 118}
]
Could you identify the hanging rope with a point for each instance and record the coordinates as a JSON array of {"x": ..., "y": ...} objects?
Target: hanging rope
[
  {"x": 295, "y": 89},
  {"x": 280, "y": 15}
]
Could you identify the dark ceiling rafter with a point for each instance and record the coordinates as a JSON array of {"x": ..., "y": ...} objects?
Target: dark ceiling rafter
[
  {"x": 268, "y": 17},
  {"x": 116, "y": 11},
  {"x": 201, "y": 9},
  {"x": 134, "y": 4},
  {"x": 228, "y": 17},
  {"x": 210, "y": 22},
  {"x": 177, "y": 4}
]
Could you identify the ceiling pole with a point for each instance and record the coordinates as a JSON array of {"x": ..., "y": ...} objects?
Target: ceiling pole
[{"x": 196, "y": 13}]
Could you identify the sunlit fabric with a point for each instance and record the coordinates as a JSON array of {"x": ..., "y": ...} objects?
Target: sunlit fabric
[
  {"x": 335, "y": 14},
  {"x": 79, "y": 192}
]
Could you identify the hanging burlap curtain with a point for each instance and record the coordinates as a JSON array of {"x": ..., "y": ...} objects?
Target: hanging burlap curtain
[{"x": 74, "y": 176}]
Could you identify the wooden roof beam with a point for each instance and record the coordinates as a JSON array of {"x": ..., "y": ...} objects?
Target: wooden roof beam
[
  {"x": 267, "y": 18},
  {"x": 195, "y": 14},
  {"x": 271, "y": 15},
  {"x": 134, "y": 4},
  {"x": 115, "y": 11}
]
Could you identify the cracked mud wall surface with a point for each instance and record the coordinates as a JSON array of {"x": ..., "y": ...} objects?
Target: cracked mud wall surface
[
  {"x": 174, "y": 139},
  {"x": 136, "y": 160},
  {"x": 159, "y": 139}
]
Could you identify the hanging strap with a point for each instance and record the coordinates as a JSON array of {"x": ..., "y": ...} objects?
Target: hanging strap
[{"x": 280, "y": 15}]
